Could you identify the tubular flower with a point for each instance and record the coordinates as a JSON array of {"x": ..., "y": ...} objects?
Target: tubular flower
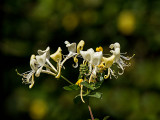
[
  {"x": 57, "y": 57},
  {"x": 119, "y": 58},
  {"x": 79, "y": 47},
  {"x": 28, "y": 77},
  {"x": 72, "y": 52},
  {"x": 87, "y": 56},
  {"x": 47, "y": 56},
  {"x": 41, "y": 60},
  {"x": 116, "y": 57},
  {"x": 93, "y": 59}
]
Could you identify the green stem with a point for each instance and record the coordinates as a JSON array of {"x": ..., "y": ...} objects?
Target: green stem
[
  {"x": 61, "y": 75},
  {"x": 66, "y": 80}
]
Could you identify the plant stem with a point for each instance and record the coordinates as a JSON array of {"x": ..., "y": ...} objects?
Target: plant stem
[
  {"x": 61, "y": 75},
  {"x": 91, "y": 114},
  {"x": 66, "y": 80}
]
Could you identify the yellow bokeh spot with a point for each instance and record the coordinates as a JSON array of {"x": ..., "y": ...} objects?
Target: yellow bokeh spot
[
  {"x": 79, "y": 82},
  {"x": 38, "y": 109},
  {"x": 89, "y": 17},
  {"x": 126, "y": 22},
  {"x": 98, "y": 49},
  {"x": 70, "y": 21}
]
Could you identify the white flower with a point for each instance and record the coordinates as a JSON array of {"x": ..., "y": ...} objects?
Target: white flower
[
  {"x": 46, "y": 57},
  {"x": 96, "y": 60},
  {"x": 93, "y": 59},
  {"x": 87, "y": 55},
  {"x": 117, "y": 58},
  {"x": 28, "y": 77},
  {"x": 47, "y": 51},
  {"x": 41, "y": 60},
  {"x": 71, "y": 47},
  {"x": 72, "y": 52}
]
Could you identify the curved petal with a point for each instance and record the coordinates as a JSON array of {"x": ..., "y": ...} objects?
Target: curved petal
[
  {"x": 57, "y": 56},
  {"x": 71, "y": 47},
  {"x": 47, "y": 51},
  {"x": 96, "y": 58},
  {"x": 39, "y": 71},
  {"x": 80, "y": 46},
  {"x": 41, "y": 59},
  {"x": 87, "y": 55}
]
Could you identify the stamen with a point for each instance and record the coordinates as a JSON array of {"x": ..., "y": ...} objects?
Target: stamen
[
  {"x": 112, "y": 72},
  {"x": 127, "y": 58},
  {"x": 123, "y": 53},
  {"x": 121, "y": 68}
]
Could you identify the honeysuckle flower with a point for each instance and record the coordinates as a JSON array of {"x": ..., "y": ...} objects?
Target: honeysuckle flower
[
  {"x": 41, "y": 60},
  {"x": 72, "y": 52},
  {"x": 87, "y": 56},
  {"x": 116, "y": 57},
  {"x": 57, "y": 57},
  {"x": 79, "y": 47},
  {"x": 93, "y": 59},
  {"x": 119, "y": 58},
  {"x": 28, "y": 77},
  {"x": 47, "y": 57},
  {"x": 96, "y": 60}
]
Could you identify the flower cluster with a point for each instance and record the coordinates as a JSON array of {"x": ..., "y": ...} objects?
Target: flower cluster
[{"x": 92, "y": 71}]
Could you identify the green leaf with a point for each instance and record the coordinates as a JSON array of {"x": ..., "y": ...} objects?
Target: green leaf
[
  {"x": 71, "y": 87},
  {"x": 106, "y": 118},
  {"x": 96, "y": 95},
  {"x": 98, "y": 84},
  {"x": 92, "y": 86},
  {"x": 88, "y": 85}
]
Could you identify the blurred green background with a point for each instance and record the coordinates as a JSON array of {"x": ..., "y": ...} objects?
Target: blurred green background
[{"x": 29, "y": 25}]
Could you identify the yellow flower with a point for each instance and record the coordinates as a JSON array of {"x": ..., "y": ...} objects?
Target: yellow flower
[
  {"x": 79, "y": 82},
  {"x": 98, "y": 49},
  {"x": 57, "y": 57}
]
